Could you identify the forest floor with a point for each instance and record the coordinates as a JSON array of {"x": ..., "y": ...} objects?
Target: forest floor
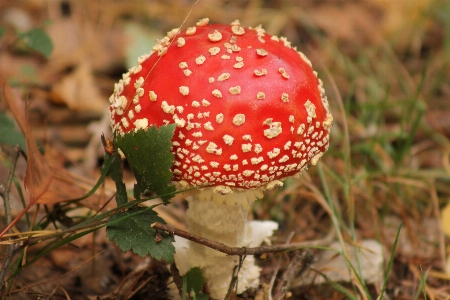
[{"x": 383, "y": 185}]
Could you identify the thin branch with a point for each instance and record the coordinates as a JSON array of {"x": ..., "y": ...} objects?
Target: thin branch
[
  {"x": 4, "y": 193},
  {"x": 243, "y": 251},
  {"x": 300, "y": 261},
  {"x": 277, "y": 268}
]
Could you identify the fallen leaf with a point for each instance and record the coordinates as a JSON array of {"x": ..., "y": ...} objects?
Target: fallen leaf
[
  {"x": 79, "y": 91},
  {"x": 45, "y": 182}
]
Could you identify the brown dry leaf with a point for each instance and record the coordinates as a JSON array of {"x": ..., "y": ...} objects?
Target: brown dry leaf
[
  {"x": 79, "y": 91},
  {"x": 46, "y": 183}
]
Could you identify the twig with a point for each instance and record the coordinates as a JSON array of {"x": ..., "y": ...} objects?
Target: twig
[
  {"x": 300, "y": 261},
  {"x": 277, "y": 268},
  {"x": 4, "y": 192},
  {"x": 243, "y": 251}
]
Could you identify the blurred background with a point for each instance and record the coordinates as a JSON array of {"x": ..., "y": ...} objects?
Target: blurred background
[{"x": 386, "y": 69}]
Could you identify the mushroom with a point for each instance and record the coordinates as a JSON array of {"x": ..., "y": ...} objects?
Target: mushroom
[{"x": 249, "y": 111}]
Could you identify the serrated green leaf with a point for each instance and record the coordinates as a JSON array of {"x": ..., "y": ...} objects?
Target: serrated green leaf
[
  {"x": 195, "y": 282},
  {"x": 9, "y": 135},
  {"x": 38, "y": 40},
  {"x": 148, "y": 153},
  {"x": 131, "y": 230}
]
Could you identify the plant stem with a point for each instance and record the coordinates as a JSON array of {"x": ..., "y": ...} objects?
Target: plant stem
[{"x": 4, "y": 193}]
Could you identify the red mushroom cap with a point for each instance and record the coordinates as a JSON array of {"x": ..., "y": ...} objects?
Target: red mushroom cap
[{"x": 249, "y": 108}]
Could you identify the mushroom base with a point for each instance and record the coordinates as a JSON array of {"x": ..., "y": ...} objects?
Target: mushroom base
[{"x": 210, "y": 216}]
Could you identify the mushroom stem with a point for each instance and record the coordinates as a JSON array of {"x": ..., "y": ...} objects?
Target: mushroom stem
[{"x": 222, "y": 218}]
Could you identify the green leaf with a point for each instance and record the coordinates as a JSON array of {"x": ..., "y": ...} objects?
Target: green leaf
[
  {"x": 116, "y": 174},
  {"x": 38, "y": 40},
  {"x": 2, "y": 31},
  {"x": 148, "y": 153},
  {"x": 194, "y": 284},
  {"x": 9, "y": 135},
  {"x": 131, "y": 230}
]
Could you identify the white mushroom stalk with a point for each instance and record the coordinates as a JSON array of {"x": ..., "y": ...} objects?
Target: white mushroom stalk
[
  {"x": 223, "y": 218},
  {"x": 249, "y": 111}
]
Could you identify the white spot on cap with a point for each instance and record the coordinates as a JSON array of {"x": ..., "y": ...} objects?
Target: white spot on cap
[
  {"x": 223, "y": 76},
  {"x": 237, "y": 30},
  {"x": 173, "y": 33},
  {"x": 219, "y": 118},
  {"x": 184, "y": 90},
  {"x": 260, "y": 95},
  {"x": 212, "y": 148},
  {"x": 195, "y": 103},
  {"x": 228, "y": 139},
  {"x": 137, "y": 69},
  {"x": 247, "y": 137},
  {"x": 141, "y": 123},
  {"x": 187, "y": 72},
  {"x": 169, "y": 109},
  {"x": 238, "y": 65},
  {"x": 142, "y": 58},
  {"x": 205, "y": 103},
  {"x": 260, "y": 73},
  {"x": 246, "y": 148},
  {"x": 181, "y": 42},
  {"x": 191, "y": 30},
  {"x": 203, "y": 22},
  {"x": 316, "y": 158},
  {"x": 239, "y": 119},
  {"x": 215, "y": 36},
  {"x": 274, "y": 130},
  {"x": 291, "y": 118},
  {"x": 234, "y": 157},
  {"x": 200, "y": 60},
  {"x": 216, "y": 93},
  {"x": 310, "y": 109},
  {"x": 261, "y": 52},
  {"x": 125, "y": 122},
  {"x": 283, "y": 73},
  {"x": 214, "y": 50},
  {"x": 301, "y": 129},
  {"x": 287, "y": 145},
  {"x": 328, "y": 121},
  {"x": 235, "y": 90},
  {"x": 138, "y": 83},
  {"x": 137, "y": 108},
  {"x": 183, "y": 65},
  {"x": 247, "y": 173},
  {"x": 208, "y": 126},
  {"x": 130, "y": 114},
  {"x": 236, "y": 23},
  {"x": 140, "y": 92},
  {"x": 256, "y": 160},
  {"x": 285, "y": 97},
  {"x": 258, "y": 148},
  {"x": 274, "y": 153},
  {"x": 211, "y": 79},
  {"x": 225, "y": 56}
]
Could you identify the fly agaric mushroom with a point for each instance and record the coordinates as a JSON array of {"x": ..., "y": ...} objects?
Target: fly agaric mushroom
[{"x": 249, "y": 111}]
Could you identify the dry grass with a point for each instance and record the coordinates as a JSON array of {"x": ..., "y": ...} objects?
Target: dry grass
[{"x": 386, "y": 69}]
